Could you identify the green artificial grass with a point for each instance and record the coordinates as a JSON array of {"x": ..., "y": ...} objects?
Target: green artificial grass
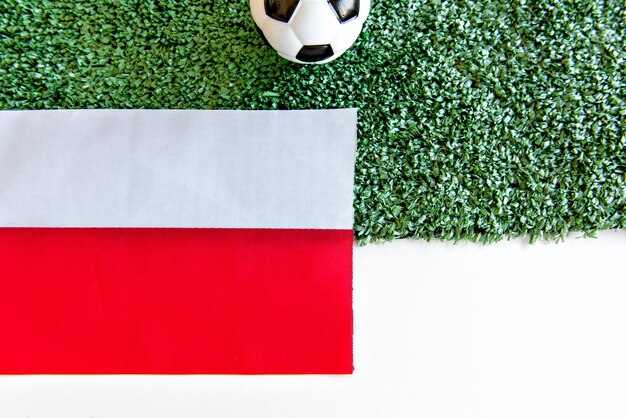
[{"x": 478, "y": 119}]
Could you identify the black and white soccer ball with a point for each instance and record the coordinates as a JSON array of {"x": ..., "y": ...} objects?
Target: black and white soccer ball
[{"x": 310, "y": 31}]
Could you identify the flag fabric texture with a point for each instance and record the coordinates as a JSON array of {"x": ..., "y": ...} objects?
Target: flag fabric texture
[{"x": 176, "y": 241}]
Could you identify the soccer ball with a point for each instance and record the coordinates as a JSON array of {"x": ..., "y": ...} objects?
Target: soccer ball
[{"x": 309, "y": 31}]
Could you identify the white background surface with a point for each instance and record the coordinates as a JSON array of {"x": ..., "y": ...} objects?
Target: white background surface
[{"x": 442, "y": 330}]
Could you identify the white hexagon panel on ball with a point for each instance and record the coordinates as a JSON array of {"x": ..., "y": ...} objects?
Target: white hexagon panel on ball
[{"x": 310, "y": 31}]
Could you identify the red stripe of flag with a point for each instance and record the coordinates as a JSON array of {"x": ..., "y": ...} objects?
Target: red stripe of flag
[{"x": 126, "y": 300}]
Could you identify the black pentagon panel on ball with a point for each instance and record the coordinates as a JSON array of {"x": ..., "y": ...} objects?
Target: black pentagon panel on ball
[
  {"x": 345, "y": 9},
  {"x": 315, "y": 53},
  {"x": 281, "y": 9}
]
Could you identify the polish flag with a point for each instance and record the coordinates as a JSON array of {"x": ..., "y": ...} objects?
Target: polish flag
[{"x": 176, "y": 242}]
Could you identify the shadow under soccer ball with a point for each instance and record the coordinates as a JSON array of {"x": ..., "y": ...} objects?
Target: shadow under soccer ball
[{"x": 309, "y": 31}]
